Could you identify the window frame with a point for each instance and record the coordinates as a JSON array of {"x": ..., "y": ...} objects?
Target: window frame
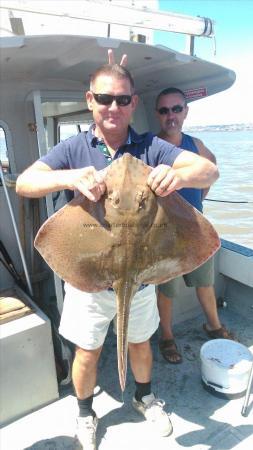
[{"x": 9, "y": 147}]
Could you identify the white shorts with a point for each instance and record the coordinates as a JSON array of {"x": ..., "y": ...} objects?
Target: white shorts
[{"x": 86, "y": 316}]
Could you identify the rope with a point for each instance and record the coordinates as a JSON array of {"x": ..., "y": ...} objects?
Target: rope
[{"x": 225, "y": 201}]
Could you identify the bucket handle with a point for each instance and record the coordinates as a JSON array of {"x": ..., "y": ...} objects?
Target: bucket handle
[{"x": 215, "y": 385}]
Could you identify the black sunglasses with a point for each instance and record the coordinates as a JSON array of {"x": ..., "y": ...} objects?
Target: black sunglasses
[
  {"x": 175, "y": 109},
  {"x": 107, "y": 99}
]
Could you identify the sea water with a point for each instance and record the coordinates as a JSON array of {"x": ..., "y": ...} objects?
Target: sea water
[{"x": 232, "y": 211}]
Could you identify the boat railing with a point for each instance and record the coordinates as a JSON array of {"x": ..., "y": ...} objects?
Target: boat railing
[{"x": 102, "y": 11}]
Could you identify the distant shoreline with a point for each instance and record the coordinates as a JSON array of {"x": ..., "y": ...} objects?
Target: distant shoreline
[{"x": 230, "y": 127}]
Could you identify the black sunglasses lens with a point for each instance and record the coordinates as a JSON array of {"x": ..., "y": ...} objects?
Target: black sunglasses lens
[
  {"x": 123, "y": 100},
  {"x": 103, "y": 99},
  {"x": 177, "y": 109},
  {"x": 163, "y": 111},
  {"x": 107, "y": 99}
]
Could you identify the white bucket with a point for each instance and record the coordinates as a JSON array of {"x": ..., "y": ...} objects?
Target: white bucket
[{"x": 225, "y": 367}]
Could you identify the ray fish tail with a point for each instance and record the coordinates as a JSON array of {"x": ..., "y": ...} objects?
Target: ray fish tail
[{"x": 125, "y": 291}]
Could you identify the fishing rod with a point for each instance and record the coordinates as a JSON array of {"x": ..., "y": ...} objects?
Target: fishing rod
[
  {"x": 5, "y": 259},
  {"x": 15, "y": 231}
]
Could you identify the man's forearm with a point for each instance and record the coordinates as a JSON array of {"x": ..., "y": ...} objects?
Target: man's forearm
[
  {"x": 39, "y": 180},
  {"x": 37, "y": 183},
  {"x": 195, "y": 171},
  {"x": 200, "y": 175}
]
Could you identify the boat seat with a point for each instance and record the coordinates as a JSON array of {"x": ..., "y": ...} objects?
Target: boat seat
[
  {"x": 12, "y": 306},
  {"x": 28, "y": 378}
]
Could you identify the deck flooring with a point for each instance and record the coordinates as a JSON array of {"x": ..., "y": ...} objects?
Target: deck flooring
[{"x": 201, "y": 421}]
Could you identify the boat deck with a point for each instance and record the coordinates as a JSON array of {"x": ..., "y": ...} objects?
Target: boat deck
[{"x": 200, "y": 420}]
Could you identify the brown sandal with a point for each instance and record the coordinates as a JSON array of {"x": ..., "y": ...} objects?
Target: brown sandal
[
  {"x": 168, "y": 349},
  {"x": 220, "y": 333}
]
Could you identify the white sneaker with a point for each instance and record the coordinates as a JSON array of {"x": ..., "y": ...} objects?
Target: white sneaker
[
  {"x": 86, "y": 432},
  {"x": 152, "y": 409}
]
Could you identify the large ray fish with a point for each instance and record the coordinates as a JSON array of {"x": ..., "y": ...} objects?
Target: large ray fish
[{"x": 128, "y": 238}]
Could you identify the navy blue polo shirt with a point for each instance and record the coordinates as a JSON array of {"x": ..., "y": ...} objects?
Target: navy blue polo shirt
[{"x": 83, "y": 150}]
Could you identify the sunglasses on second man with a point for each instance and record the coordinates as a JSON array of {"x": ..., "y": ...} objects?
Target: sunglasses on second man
[
  {"x": 107, "y": 99},
  {"x": 176, "y": 109}
]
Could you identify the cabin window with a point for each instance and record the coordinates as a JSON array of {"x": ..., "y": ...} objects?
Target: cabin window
[
  {"x": 63, "y": 119},
  {"x": 4, "y": 151},
  {"x": 66, "y": 130}
]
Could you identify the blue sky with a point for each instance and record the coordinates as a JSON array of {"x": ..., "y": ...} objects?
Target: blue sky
[{"x": 234, "y": 49}]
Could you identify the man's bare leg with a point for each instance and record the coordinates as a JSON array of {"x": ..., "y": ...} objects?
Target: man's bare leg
[
  {"x": 141, "y": 361},
  {"x": 207, "y": 299},
  {"x": 165, "y": 312},
  {"x": 84, "y": 371}
]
